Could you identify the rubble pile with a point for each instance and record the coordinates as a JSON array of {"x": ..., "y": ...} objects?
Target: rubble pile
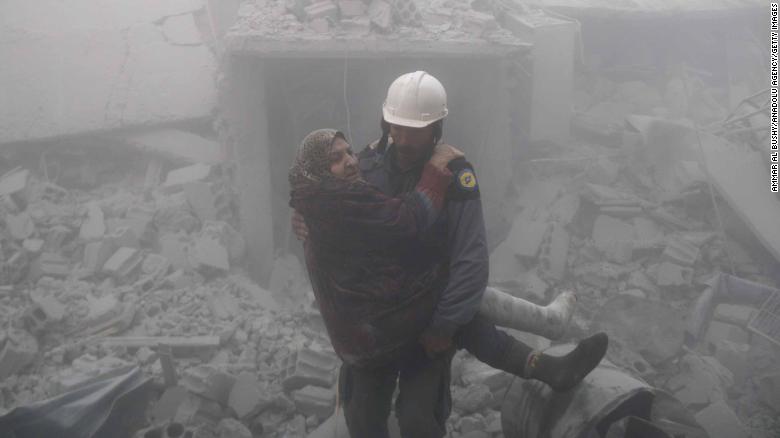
[
  {"x": 439, "y": 19},
  {"x": 624, "y": 216},
  {"x": 149, "y": 275}
]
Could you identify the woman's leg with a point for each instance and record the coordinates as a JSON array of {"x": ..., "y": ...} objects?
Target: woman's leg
[{"x": 501, "y": 351}]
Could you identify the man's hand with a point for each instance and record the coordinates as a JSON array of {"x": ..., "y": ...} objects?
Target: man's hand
[
  {"x": 435, "y": 344},
  {"x": 299, "y": 226},
  {"x": 443, "y": 154}
]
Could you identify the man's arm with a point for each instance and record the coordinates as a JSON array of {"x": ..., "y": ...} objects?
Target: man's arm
[{"x": 469, "y": 263}]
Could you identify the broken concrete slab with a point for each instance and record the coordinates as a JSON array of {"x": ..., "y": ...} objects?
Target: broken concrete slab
[
  {"x": 554, "y": 254},
  {"x": 176, "y": 178},
  {"x": 124, "y": 261},
  {"x": 613, "y": 237},
  {"x": 740, "y": 175},
  {"x": 122, "y": 236},
  {"x": 33, "y": 246},
  {"x": 673, "y": 275},
  {"x": 192, "y": 346},
  {"x": 53, "y": 265},
  {"x": 681, "y": 251},
  {"x": 231, "y": 428},
  {"x": 211, "y": 253},
  {"x": 734, "y": 356},
  {"x": 20, "y": 225},
  {"x": 14, "y": 181},
  {"x": 315, "y": 400},
  {"x": 209, "y": 382},
  {"x": 94, "y": 225},
  {"x": 381, "y": 14},
  {"x": 96, "y": 254},
  {"x": 352, "y": 8},
  {"x": 720, "y": 421},
  {"x": 17, "y": 349},
  {"x": 323, "y": 9},
  {"x": 701, "y": 380},
  {"x": 652, "y": 328},
  {"x": 309, "y": 367},
  {"x": 247, "y": 397}
]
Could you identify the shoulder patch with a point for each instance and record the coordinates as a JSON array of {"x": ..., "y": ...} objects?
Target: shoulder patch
[
  {"x": 464, "y": 185},
  {"x": 467, "y": 180}
]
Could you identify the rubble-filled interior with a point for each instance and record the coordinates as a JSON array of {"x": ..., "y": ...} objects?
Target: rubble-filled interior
[{"x": 159, "y": 261}]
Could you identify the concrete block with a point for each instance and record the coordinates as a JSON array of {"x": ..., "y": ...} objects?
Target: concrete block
[
  {"x": 178, "y": 177},
  {"x": 769, "y": 389},
  {"x": 196, "y": 409},
  {"x": 720, "y": 421},
  {"x": 680, "y": 251},
  {"x": 103, "y": 309},
  {"x": 33, "y": 246},
  {"x": 526, "y": 236},
  {"x": 14, "y": 181},
  {"x": 55, "y": 238},
  {"x": 210, "y": 252},
  {"x": 325, "y": 9},
  {"x": 209, "y": 382},
  {"x": 381, "y": 14},
  {"x": 309, "y": 367},
  {"x": 320, "y": 25},
  {"x": 247, "y": 397},
  {"x": 123, "y": 236},
  {"x": 124, "y": 261},
  {"x": 53, "y": 265},
  {"x": 96, "y": 254},
  {"x": 175, "y": 248},
  {"x": 478, "y": 23},
  {"x": 94, "y": 225},
  {"x": 166, "y": 407},
  {"x": 565, "y": 208},
  {"x": 20, "y": 225},
  {"x": 230, "y": 428},
  {"x": 51, "y": 307},
  {"x": 639, "y": 280},
  {"x": 356, "y": 26},
  {"x": 613, "y": 237},
  {"x": 314, "y": 400},
  {"x": 702, "y": 380},
  {"x": 15, "y": 268},
  {"x": 205, "y": 202},
  {"x": 598, "y": 275},
  {"x": 17, "y": 349},
  {"x": 352, "y": 8},
  {"x": 718, "y": 331},
  {"x": 223, "y": 305},
  {"x": 673, "y": 275},
  {"x": 734, "y": 357},
  {"x": 474, "y": 372}
]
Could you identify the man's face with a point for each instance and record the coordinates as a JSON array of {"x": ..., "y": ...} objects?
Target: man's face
[
  {"x": 411, "y": 144},
  {"x": 343, "y": 164}
]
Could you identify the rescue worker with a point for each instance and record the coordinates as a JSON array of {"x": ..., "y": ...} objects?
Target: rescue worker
[{"x": 452, "y": 261}]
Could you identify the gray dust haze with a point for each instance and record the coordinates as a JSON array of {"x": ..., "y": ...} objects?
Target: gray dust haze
[{"x": 624, "y": 151}]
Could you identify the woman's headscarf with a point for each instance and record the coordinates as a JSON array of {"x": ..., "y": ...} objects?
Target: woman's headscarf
[{"x": 312, "y": 162}]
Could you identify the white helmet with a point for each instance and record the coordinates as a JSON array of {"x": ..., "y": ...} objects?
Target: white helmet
[{"x": 415, "y": 100}]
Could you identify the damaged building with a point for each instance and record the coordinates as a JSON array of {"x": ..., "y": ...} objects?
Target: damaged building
[{"x": 151, "y": 284}]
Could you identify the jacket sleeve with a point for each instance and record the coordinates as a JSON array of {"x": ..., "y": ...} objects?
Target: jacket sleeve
[
  {"x": 469, "y": 263},
  {"x": 378, "y": 216}
]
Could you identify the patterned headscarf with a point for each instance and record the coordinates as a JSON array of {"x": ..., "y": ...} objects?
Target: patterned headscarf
[{"x": 312, "y": 162}]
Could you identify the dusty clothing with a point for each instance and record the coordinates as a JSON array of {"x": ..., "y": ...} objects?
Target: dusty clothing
[
  {"x": 373, "y": 301},
  {"x": 423, "y": 403},
  {"x": 456, "y": 240}
]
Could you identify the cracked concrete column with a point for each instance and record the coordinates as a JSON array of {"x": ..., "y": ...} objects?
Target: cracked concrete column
[{"x": 245, "y": 111}]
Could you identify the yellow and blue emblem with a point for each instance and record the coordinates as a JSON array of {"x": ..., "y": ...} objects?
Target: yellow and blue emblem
[{"x": 467, "y": 180}]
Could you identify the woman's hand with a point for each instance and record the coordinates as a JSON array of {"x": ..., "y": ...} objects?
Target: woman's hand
[{"x": 443, "y": 154}]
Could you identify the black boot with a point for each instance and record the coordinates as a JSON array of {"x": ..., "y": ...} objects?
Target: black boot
[{"x": 565, "y": 372}]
